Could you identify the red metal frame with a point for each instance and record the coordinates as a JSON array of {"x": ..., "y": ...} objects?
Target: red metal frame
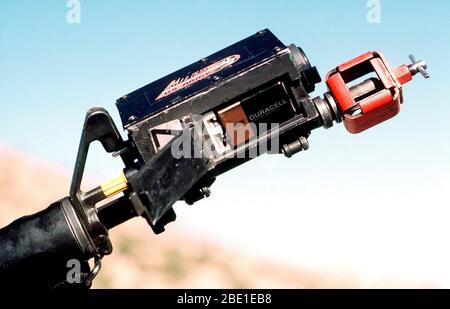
[{"x": 376, "y": 108}]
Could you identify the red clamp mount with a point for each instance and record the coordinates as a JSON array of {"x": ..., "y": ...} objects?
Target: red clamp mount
[{"x": 377, "y": 98}]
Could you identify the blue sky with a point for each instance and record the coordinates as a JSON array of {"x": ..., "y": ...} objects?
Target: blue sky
[
  {"x": 52, "y": 71},
  {"x": 346, "y": 189}
]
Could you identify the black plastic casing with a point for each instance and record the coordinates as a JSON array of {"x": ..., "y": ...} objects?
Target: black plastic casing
[
  {"x": 259, "y": 71},
  {"x": 263, "y": 61}
]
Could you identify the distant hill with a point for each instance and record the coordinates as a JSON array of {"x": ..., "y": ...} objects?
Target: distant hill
[{"x": 140, "y": 259}]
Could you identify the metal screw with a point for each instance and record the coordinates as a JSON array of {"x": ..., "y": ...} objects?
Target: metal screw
[
  {"x": 132, "y": 118},
  {"x": 418, "y": 67},
  {"x": 300, "y": 144},
  {"x": 206, "y": 191},
  {"x": 304, "y": 142}
]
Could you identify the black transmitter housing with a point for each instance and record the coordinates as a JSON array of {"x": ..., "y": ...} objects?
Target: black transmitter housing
[{"x": 244, "y": 96}]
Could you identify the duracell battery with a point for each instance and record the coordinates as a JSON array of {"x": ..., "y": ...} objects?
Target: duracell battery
[{"x": 242, "y": 120}]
